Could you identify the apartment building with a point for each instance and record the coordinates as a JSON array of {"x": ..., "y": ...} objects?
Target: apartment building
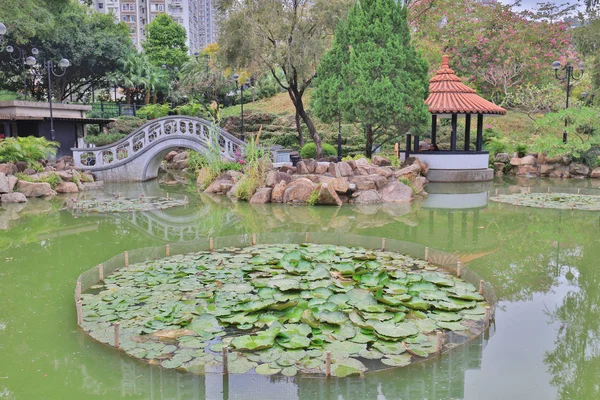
[{"x": 198, "y": 17}]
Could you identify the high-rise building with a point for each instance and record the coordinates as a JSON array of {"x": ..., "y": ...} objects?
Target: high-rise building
[{"x": 198, "y": 17}]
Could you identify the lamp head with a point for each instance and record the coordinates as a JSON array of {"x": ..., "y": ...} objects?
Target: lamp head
[
  {"x": 2, "y": 29},
  {"x": 35, "y": 51},
  {"x": 64, "y": 63},
  {"x": 581, "y": 66},
  {"x": 10, "y": 49},
  {"x": 556, "y": 65},
  {"x": 30, "y": 61},
  {"x": 236, "y": 77},
  {"x": 164, "y": 67}
]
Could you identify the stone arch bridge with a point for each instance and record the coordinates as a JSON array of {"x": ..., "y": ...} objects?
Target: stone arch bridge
[{"x": 137, "y": 157}]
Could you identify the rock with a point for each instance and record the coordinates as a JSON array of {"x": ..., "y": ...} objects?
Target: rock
[
  {"x": 29, "y": 171},
  {"x": 344, "y": 169},
  {"x": 13, "y": 198},
  {"x": 529, "y": 170},
  {"x": 306, "y": 167},
  {"x": 67, "y": 187},
  {"x": 203, "y": 175},
  {"x": 235, "y": 175},
  {"x": 499, "y": 166},
  {"x": 541, "y": 158},
  {"x": 378, "y": 180},
  {"x": 528, "y": 160},
  {"x": 595, "y": 173},
  {"x": 515, "y": 161},
  {"x": 288, "y": 169},
  {"x": 8, "y": 168},
  {"x": 181, "y": 157},
  {"x": 366, "y": 185},
  {"x": 262, "y": 196},
  {"x": 182, "y": 164},
  {"x": 411, "y": 172},
  {"x": 334, "y": 170},
  {"x": 553, "y": 160},
  {"x": 367, "y": 197},
  {"x": 34, "y": 189},
  {"x": 232, "y": 192},
  {"x": 66, "y": 176},
  {"x": 328, "y": 196},
  {"x": 21, "y": 166},
  {"x": 226, "y": 187},
  {"x": 340, "y": 185},
  {"x": 386, "y": 172},
  {"x": 171, "y": 155},
  {"x": 298, "y": 191},
  {"x": 561, "y": 171},
  {"x": 381, "y": 161},
  {"x": 274, "y": 177},
  {"x": 12, "y": 183},
  {"x": 396, "y": 192},
  {"x": 322, "y": 168},
  {"x": 162, "y": 167},
  {"x": 277, "y": 193},
  {"x": 419, "y": 185},
  {"x": 424, "y": 167},
  {"x": 579, "y": 170},
  {"x": 546, "y": 169},
  {"x": 215, "y": 187},
  {"x": 502, "y": 157},
  {"x": 352, "y": 164},
  {"x": 4, "y": 183}
]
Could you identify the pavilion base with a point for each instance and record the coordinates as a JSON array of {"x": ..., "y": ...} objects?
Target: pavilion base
[{"x": 460, "y": 175}]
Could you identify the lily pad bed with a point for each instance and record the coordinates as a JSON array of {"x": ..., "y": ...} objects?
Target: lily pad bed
[
  {"x": 280, "y": 308},
  {"x": 120, "y": 204},
  {"x": 551, "y": 200}
]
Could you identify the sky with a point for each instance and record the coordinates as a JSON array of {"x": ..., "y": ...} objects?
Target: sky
[{"x": 530, "y": 4}]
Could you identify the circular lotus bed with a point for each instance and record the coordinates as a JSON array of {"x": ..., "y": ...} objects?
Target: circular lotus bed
[
  {"x": 120, "y": 204},
  {"x": 551, "y": 200},
  {"x": 284, "y": 309}
]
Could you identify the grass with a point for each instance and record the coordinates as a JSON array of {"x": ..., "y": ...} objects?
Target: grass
[{"x": 280, "y": 105}]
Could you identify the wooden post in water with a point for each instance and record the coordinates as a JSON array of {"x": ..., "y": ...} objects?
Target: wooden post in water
[
  {"x": 383, "y": 244},
  {"x": 79, "y": 313},
  {"x": 126, "y": 255},
  {"x": 488, "y": 315},
  {"x": 254, "y": 239},
  {"x": 427, "y": 254},
  {"x": 306, "y": 238},
  {"x": 328, "y": 363},
  {"x": 168, "y": 250},
  {"x": 440, "y": 341},
  {"x": 481, "y": 286},
  {"x": 211, "y": 244},
  {"x": 458, "y": 269},
  {"x": 101, "y": 272},
  {"x": 225, "y": 352},
  {"x": 117, "y": 326},
  {"x": 78, "y": 290}
]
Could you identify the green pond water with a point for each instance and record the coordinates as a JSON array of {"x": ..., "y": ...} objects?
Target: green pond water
[{"x": 544, "y": 265}]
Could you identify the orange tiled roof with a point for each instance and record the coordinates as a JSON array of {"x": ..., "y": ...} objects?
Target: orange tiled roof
[{"x": 447, "y": 95}]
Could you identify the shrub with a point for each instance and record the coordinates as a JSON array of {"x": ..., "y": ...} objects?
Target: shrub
[
  {"x": 255, "y": 170},
  {"x": 52, "y": 178},
  {"x": 314, "y": 196},
  {"x": 190, "y": 109},
  {"x": 29, "y": 149},
  {"x": 521, "y": 150},
  {"x": 356, "y": 157},
  {"x": 152, "y": 111},
  {"x": 104, "y": 139},
  {"x": 310, "y": 150},
  {"x": 495, "y": 146}
]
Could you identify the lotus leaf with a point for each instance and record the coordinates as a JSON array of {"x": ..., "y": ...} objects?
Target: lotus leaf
[
  {"x": 289, "y": 371},
  {"x": 253, "y": 342},
  {"x": 347, "y": 366},
  {"x": 264, "y": 369},
  {"x": 240, "y": 366},
  {"x": 370, "y": 354},
  {"x": 396, "y": 331},
  {"x": 453, "y": 326},
  {"x": 389, "y": 347},
  {"x": 399, "y": 360}
]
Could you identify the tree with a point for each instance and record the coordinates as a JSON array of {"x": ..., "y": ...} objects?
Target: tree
[
  {"x": 140, "y": 78},
  {"x": 552, "y": 12},
  {"x": 165, "y": 42},
  {"x": 373, "y": 74},
  {"x": 281, "y": 35}
]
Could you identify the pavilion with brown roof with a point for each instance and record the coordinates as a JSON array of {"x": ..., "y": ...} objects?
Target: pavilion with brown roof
[{"x": 450, "y": 98}]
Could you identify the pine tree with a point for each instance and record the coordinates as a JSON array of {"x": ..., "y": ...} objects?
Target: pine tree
[{"x": 373, "y": 74}]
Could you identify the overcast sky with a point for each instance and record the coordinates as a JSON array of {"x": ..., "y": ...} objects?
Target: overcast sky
[{"x": 530, "y": 4}]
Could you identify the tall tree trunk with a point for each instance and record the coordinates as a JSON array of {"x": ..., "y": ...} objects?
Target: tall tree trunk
[
  {"x": 154, "y": 96},
  {"x": 128, "y": 96},
  {"x": 147, "y": 97},
  {"x": 299, "y": 129},
  {"x": 297, "y": 100},
  {"x": 369, "y": 141}
]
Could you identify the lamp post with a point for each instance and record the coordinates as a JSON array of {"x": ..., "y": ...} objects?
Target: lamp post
[
  {"x": 23, "y": 57},
  {"x": 568, "y": 74},
  {"x": 49, "y": 69},
  {"x": 236, "y": 77}
]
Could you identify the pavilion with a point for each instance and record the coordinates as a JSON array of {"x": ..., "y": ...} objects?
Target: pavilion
[{"x": 450, "y": 98}]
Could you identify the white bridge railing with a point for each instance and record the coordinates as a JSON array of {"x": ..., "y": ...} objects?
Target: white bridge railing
[{"x": 142, "y": 139}]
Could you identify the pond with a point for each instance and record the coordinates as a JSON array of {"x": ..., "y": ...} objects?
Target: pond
[{"x": 542, "y": 263}]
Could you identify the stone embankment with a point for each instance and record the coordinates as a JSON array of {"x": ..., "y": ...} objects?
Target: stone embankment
[
  {"x": 18, "y": 182},
  {"x": 540, "y": 165},
  {"x": 328, "y": 183}
]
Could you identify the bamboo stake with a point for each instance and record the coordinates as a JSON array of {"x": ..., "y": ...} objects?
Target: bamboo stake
[
  {"x": 254, "y": 239},
  {"x": 440, "y": 341},
  {"x": 427, "y": 254},
  {"x": 488, "y": 315},
  {"x": 168, "y": 250},
  {"x": 211, "y": 244},
  {"x": 78, "y": 290},
  {"x": 481, "y": 285},
  {"x": 458, "y": 269},
  {"x": 79, "y": 313},
  {"x": 383, "y": 244},
  {"x": 578, "y": 191},
  {"x": 101, "y": 272},
  {"x": 117, "y": 325},
  {"x": 126, "y": 255},
  {"x": 328, "y": 363},
  {"x": 496, "y": 192},
  {"x": 306, "y": 238},
  {"x": 225, "y": 352}
]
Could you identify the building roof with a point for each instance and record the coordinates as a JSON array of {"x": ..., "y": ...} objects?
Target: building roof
[{"x": 448, "y": 95}]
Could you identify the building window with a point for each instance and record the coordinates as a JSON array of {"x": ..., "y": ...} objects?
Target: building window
[
  {"x": 153, "y": 7},
  {"x": 131, "y": 7},
  {"x": 125, "y": 18},
  {"x": 124, "y": 7},
  {"x": 100, "y": 6},
  {"x": 161, "y": 7}
]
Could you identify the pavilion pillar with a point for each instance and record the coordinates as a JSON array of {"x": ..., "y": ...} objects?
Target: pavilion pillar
[
  {"x": 433, "y": 129},
  {"x": 467, "y": 132},
  {"x": 408, "y": 140},
  {"x": 479, "y": 146},
  {"x": 453, "y": 133},
  {"x": 416, "y": 148}
]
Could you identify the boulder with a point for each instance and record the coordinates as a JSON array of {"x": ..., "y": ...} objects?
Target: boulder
[
  {"x": 561, "y": 171},
  {"x": 66, "y": 176},
  {"x": 232, "y": 192},
  {"x": 515, "y": 161},
  {"x": 274, "y": 177},
  {"x": 215, "y": 187},
  {"x": 386, "y": 172},
  {"x": 579, "y": 170},
  {"x": 181, "y": 164},
  {"x": 4, "y": 183},
  {"x": 29, "y": 171},
  {"x": 367, "y": 197},
  {"x": 226, "y": 186},
  {"x": 12, "y": 183},
  {"x": 34, "y": 189},
  {"x": 322, "y": 168},
  {"x": 396, "y": 192},
  {"x": 181, "y": 157},
  {"x": 344, "y": 169},
  {"x": 171, "y": 155},
  {"x": 340, "y": 185},
  {"x": 410, "y": 172},
  {"x": 262, "y": 196},
  {"x": 528, "y": 160},
  {"x": 8, "y": 168},
  {"x": 21, "y": 166},
  {"x": 553, "y": 160},
  {"x": 306, "y": 167},
  {"x": 277, "y": 193},
  {"x": 419, "y": 185},
  {"x": 381, "y": 161},
  {"x": 334, "y": 170},
  {"x": 529, "y": 170},
  {"x": 13, "y": 198},
  {"x": 378, "y": 180},
  {"x": 235, "y": 175},
  {"x": 502, "y": 158},
  {"x": 67, "y": 187},
  {"x": 546, "y": 169},
  {"x": 595, "y": 173},
  {"x": 298, "y": 191},
  {"x": 328, "y": 196},
  {"x": 499, "y": 166},
  {"x": 288, "y": 169}
]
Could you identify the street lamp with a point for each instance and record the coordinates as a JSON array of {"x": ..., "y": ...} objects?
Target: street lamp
[
  {"x": 49, "y": 68},
  {"x": 236, "y": 77},
  {"x": 568, "y": 75},
  {"x": 23, "y": 57},
  {"x": 2, "y": 31}
]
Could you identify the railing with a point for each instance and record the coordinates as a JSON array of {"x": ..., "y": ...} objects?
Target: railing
[{"x": 142, "y": 139}]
